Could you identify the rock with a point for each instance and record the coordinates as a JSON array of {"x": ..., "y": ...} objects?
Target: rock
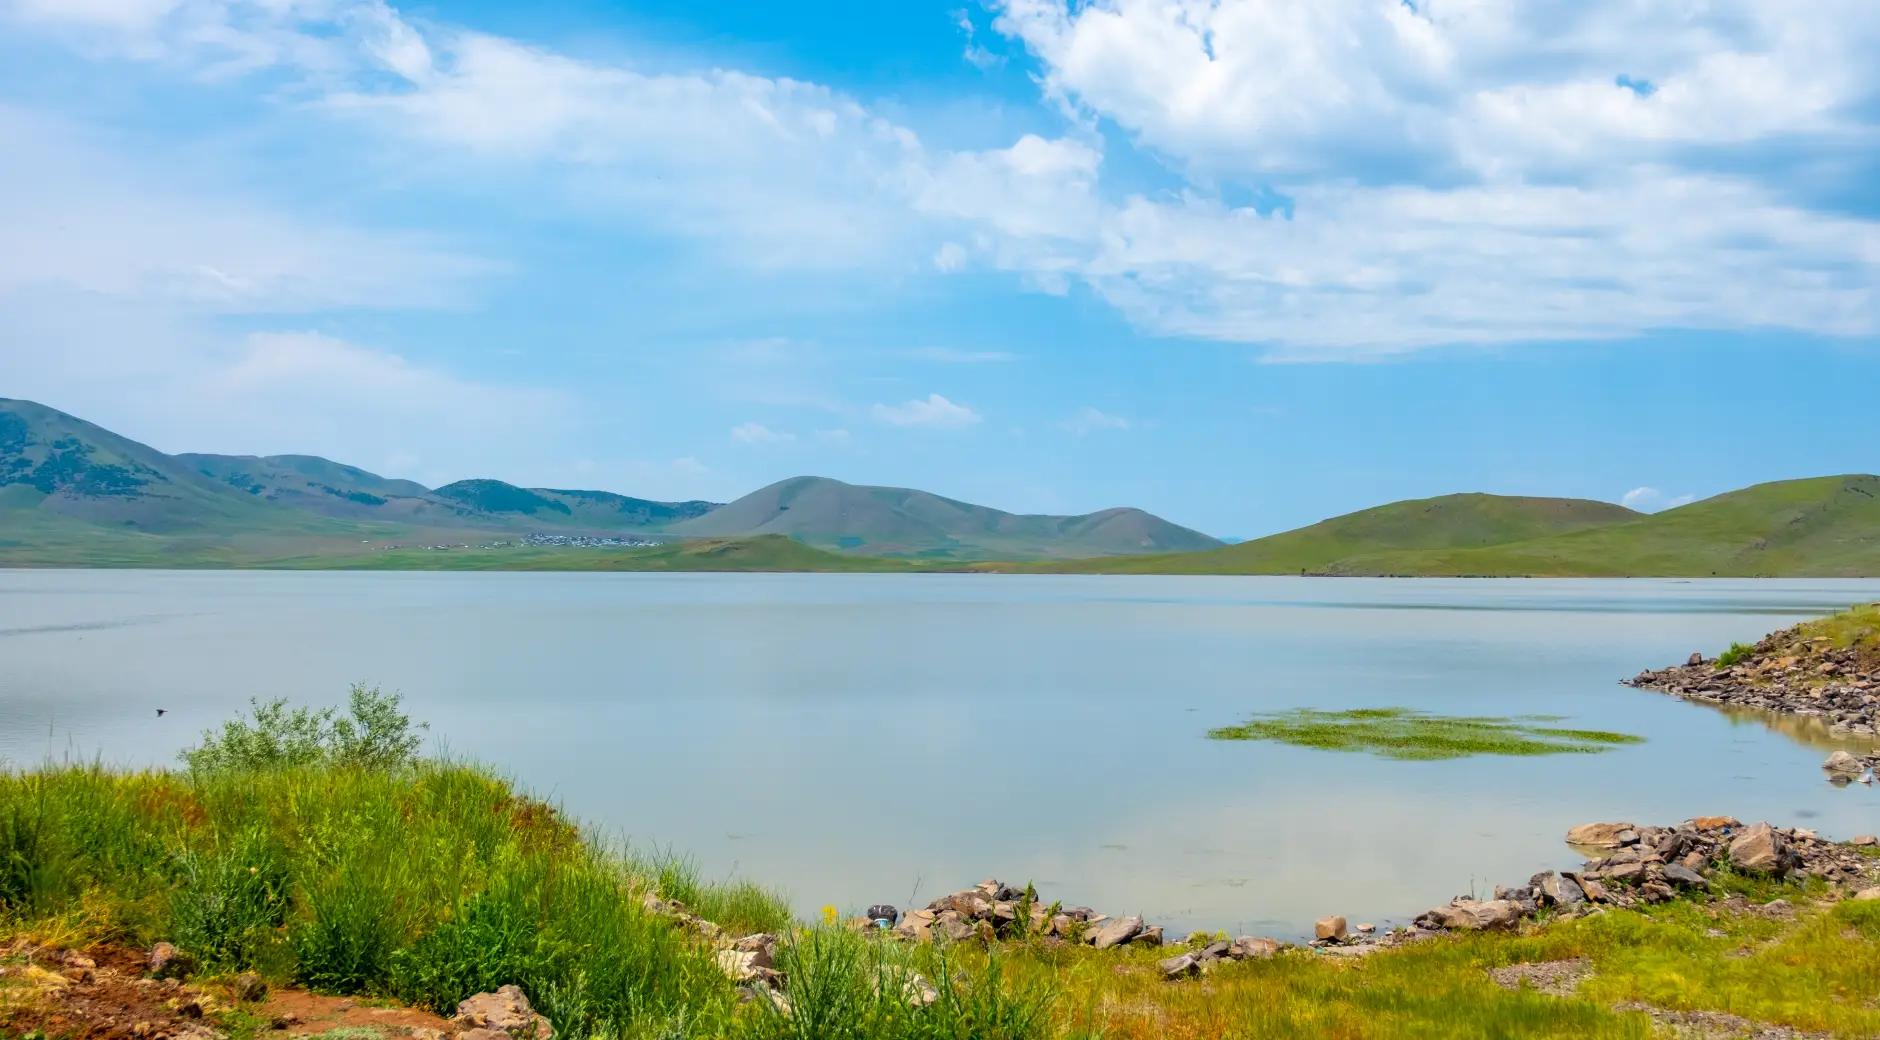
[
  {"x": 1601, "y": 835},
  {"x": 1760, "y": 850},
  {"x": 1595, "y": 892},
  {"x": 1253, "y": 948},
  {"x": 738, "y": 965},
  {"x": 248, "y": 987},
  {"x": 1180, "y": 966},
  {"x": 1330, "y": 929},
  {"x": 1694, "y": 660},
  {"x": 1561, "y": 891},
  {"x": 1149, "y": 936},
  {"x": 1471, "y": 915},
  {"x": 506, "y": 1012},
  {"x": 1115, "y": 933},
  {"x": 1684, "y": 877},
  {"x": 1715, "y": 823},
  {"x": 168, "y": 962},
  {"x": 914, "y": 988},
  {"x": 954, "y": 927},
  {"x": 884, "y": 912},
  {"x": 1868, "y": 895},
  {"x": 1367, "y": 929},
  {"x": 762, "y": 945},
  {"x": 917, "y": 925},
  {"x": 1844, "y": 764},
  {"x": 1864, "y": 841}
]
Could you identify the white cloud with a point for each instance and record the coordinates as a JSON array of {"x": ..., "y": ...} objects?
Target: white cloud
[
  {"x": 1451, "y": 171},
  {"x": 835, "y": 436},
  {"x": 935, "y": 412},
  {"x": 1090, "y": 420},
  {"x": 76, "y": 212},
  {"x": 1651, "y": 500},
  {"x": 757, "y": 433},
  {"x": 950, "y": 356}
]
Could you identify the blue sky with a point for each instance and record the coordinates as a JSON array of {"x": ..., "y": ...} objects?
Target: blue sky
[{"x": 1245, "y": 263}]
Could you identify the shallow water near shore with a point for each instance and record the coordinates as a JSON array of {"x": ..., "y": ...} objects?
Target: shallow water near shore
[{"x": 855, "y": 739}]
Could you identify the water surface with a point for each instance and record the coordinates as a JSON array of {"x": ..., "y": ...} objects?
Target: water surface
[{"x": 865, "y": 738}]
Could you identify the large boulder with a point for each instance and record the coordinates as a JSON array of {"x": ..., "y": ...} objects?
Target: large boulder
[
  {"x": 1115, "y": 932},
  {"x": 1253, "y": 948},
  {"x": 506, "y": 1011},
  {"x": 1603, "y": 835},
  {"x": 1560, "y": 891},
  {"x": 1470, "y": 915},
  {"x": 1330, "y": 929},
  {"x": 1761, "y": 850}
]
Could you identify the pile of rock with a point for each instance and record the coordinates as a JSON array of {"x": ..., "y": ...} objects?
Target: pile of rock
[
  {"x": 1654, "y": 864},
  {"x": 1784, "y": 673},
  {"x": 1845, "y": 767},
  {"x": 993, "y": 910}
]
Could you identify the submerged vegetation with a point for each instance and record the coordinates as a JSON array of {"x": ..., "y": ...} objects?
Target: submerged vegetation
[{"x": 1403, "y": 733}]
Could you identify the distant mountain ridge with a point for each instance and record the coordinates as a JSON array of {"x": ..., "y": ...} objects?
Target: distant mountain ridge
[
  {"x": 906, "y": 522},
  {"x": 65, "y": 480}
]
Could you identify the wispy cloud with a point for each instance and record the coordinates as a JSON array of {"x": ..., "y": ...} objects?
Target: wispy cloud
[
  {"x": 935, "y": 412},
  {"x": 757, "y": 433},
  {"x": 1090, "y": 420},
  {"x": 950, "y": 356},
  {"x": 1651, "y": 500}
]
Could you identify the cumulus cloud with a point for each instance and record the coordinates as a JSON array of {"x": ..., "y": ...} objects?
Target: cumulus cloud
[
  {"x": 1435, "y": 173},
  {"x": 935, "y": 412},
  {"x": 757, "y": 433},
  {"x": 1090, "y": 420},
  {"x": 1651, "y": 500}
]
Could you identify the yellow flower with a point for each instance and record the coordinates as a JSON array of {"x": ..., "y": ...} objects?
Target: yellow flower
[{"x": 829, "y": 914}]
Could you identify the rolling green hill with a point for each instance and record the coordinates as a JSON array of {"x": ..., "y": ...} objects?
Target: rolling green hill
[
  {"x": 1816, "y": 527},
  {"x": 1449, "y": 522},
  {"x": 904, "y": 522}
]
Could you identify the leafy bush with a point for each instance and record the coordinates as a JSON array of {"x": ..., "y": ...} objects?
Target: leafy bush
[
  {"x": 374, "y": 734},
  {"x": 1737, "y": 652}
]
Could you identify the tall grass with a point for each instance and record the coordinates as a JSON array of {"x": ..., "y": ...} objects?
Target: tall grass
[{"x": 427, "y": 884}]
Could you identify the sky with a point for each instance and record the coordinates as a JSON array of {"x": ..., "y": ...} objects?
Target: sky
[{"x": 1243, "y": 263}]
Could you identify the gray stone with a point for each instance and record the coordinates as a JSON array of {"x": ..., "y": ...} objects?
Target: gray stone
[
  {"x": 1684, "y": 877},
  {"x": 1180, "y": 966},
  {"x": 1115, "y": 933},
  {"x": 1843, "y": 763},
  {"x": 1470, "y": 915},
  {"x": 1760, "y": 850}
]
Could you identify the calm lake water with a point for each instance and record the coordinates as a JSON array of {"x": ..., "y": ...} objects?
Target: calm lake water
[{"x": 863, "y": 738}]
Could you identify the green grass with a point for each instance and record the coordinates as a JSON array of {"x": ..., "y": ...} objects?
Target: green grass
[
  {"x": 1402, "y": 733},
  {"x": 1857, "y": 628},
  {"x": 1815, "y": 527},
  {"x": 1736, "y": 652}
]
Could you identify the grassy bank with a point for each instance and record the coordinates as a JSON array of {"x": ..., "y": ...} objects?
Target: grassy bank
[{"x": 313, "y": 849}]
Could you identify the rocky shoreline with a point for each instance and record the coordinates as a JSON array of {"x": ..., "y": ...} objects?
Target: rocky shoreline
[
  {"x": 1629, "y": 865},
  {"x": 1801, "y": 671}
]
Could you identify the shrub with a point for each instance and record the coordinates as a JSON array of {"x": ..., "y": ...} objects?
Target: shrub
[
  {"x": 1737, "y": 652},
  {"x": 374, "y": 734}
]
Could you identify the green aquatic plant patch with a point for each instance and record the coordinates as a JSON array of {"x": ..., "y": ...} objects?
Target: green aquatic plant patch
[{"x": 1406, "y": 734}]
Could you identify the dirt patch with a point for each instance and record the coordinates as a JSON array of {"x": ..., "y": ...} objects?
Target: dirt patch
[
  {"x": 1715, "y": 1025},
  {"x": 1554, "y": 978},
  {"x": 101, "y": 994},
  {"x": 299, "y": 1013}
]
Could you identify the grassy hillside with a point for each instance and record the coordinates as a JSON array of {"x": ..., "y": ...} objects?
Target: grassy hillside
[
  {"x": 1817, "y": 527},
  {"x": 906, "y": 522},
  {"x": 1448, "y": 522}
]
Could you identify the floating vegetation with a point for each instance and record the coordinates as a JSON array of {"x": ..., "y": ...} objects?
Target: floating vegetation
[{"x": 1402, "y": 733}]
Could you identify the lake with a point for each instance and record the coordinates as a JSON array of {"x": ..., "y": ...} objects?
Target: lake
[{"x": 854, "y": 739}]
